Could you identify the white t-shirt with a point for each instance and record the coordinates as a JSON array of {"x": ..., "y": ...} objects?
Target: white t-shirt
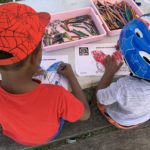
[{"x": 127, "y": 100}]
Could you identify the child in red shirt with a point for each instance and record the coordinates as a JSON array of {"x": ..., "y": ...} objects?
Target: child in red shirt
[{"x": 32, "y": 113}]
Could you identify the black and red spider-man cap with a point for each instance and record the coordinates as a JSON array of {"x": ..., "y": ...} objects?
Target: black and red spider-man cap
[{"x": 21, "y": 30}]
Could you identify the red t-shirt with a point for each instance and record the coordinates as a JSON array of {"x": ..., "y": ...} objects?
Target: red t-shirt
[{"x": 33, "y": 118}]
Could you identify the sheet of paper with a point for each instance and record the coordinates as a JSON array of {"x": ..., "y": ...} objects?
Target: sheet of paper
[
  {"x": 89, "y": 59},
  {"x": 50, "y": 64}
]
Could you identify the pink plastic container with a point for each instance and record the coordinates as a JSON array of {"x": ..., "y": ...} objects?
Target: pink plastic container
[
  {"x": 75, "y": 13},
  {"x": 129, "y": 2}
]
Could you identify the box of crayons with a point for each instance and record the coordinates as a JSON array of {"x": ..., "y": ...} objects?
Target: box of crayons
[
  {"x": 116, "y": 13},
  {"x": 72, "y": 28}
]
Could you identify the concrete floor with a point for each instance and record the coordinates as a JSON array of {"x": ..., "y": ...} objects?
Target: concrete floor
[{"x": 137, "y": 139}]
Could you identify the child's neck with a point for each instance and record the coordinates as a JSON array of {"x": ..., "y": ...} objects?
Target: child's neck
[{"x": 17, "y": 83}]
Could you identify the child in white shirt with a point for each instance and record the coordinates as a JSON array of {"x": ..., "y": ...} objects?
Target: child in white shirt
[{"x": 126, "y": 102}]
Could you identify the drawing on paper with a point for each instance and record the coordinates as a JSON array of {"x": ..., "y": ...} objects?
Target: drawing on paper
[
  {"x": 100, "y": 56},
  {"x": 50, "y": 75},
  {"x": 94, "y": 62}
]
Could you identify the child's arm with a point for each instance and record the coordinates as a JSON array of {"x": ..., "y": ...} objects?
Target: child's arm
[
  {"x": 106, "y": 94},
  {"x": 66, "y": 70},
  {"x": 111, "y": 67}
]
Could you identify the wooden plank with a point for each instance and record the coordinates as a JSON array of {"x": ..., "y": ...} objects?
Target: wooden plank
[{"x": 134, "y": 139}]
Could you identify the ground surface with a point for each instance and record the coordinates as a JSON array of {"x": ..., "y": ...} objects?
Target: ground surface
[{"x": 94, "y": 134}]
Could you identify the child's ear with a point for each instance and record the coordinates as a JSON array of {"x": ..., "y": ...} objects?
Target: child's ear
[
  {"x": 33, "y": 59},
  {"x": 36, "y": 58}
]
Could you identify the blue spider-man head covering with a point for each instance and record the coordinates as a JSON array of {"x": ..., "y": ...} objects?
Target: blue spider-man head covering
[{"x": 135, "y": 46}]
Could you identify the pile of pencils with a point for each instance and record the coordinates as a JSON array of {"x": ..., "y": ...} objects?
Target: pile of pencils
[{"x": 116, "y": 15}]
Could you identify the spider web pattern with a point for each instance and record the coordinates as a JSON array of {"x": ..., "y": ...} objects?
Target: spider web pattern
[{"x": 20, "y": 31}]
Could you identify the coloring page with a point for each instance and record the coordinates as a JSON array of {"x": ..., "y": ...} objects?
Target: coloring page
[
  {"x": 49, "y": 66},
  {"x": 89, "y": 59}
]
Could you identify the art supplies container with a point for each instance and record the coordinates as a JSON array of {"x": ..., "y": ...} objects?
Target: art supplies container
[
  {"x": 130, "y": 3},
  {"x": 72, "y": 14}
]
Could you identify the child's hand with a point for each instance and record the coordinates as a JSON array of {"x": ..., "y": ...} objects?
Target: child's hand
[
  {"x": 66, "y": 70},
  {"x": 111, "y": 65}
]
